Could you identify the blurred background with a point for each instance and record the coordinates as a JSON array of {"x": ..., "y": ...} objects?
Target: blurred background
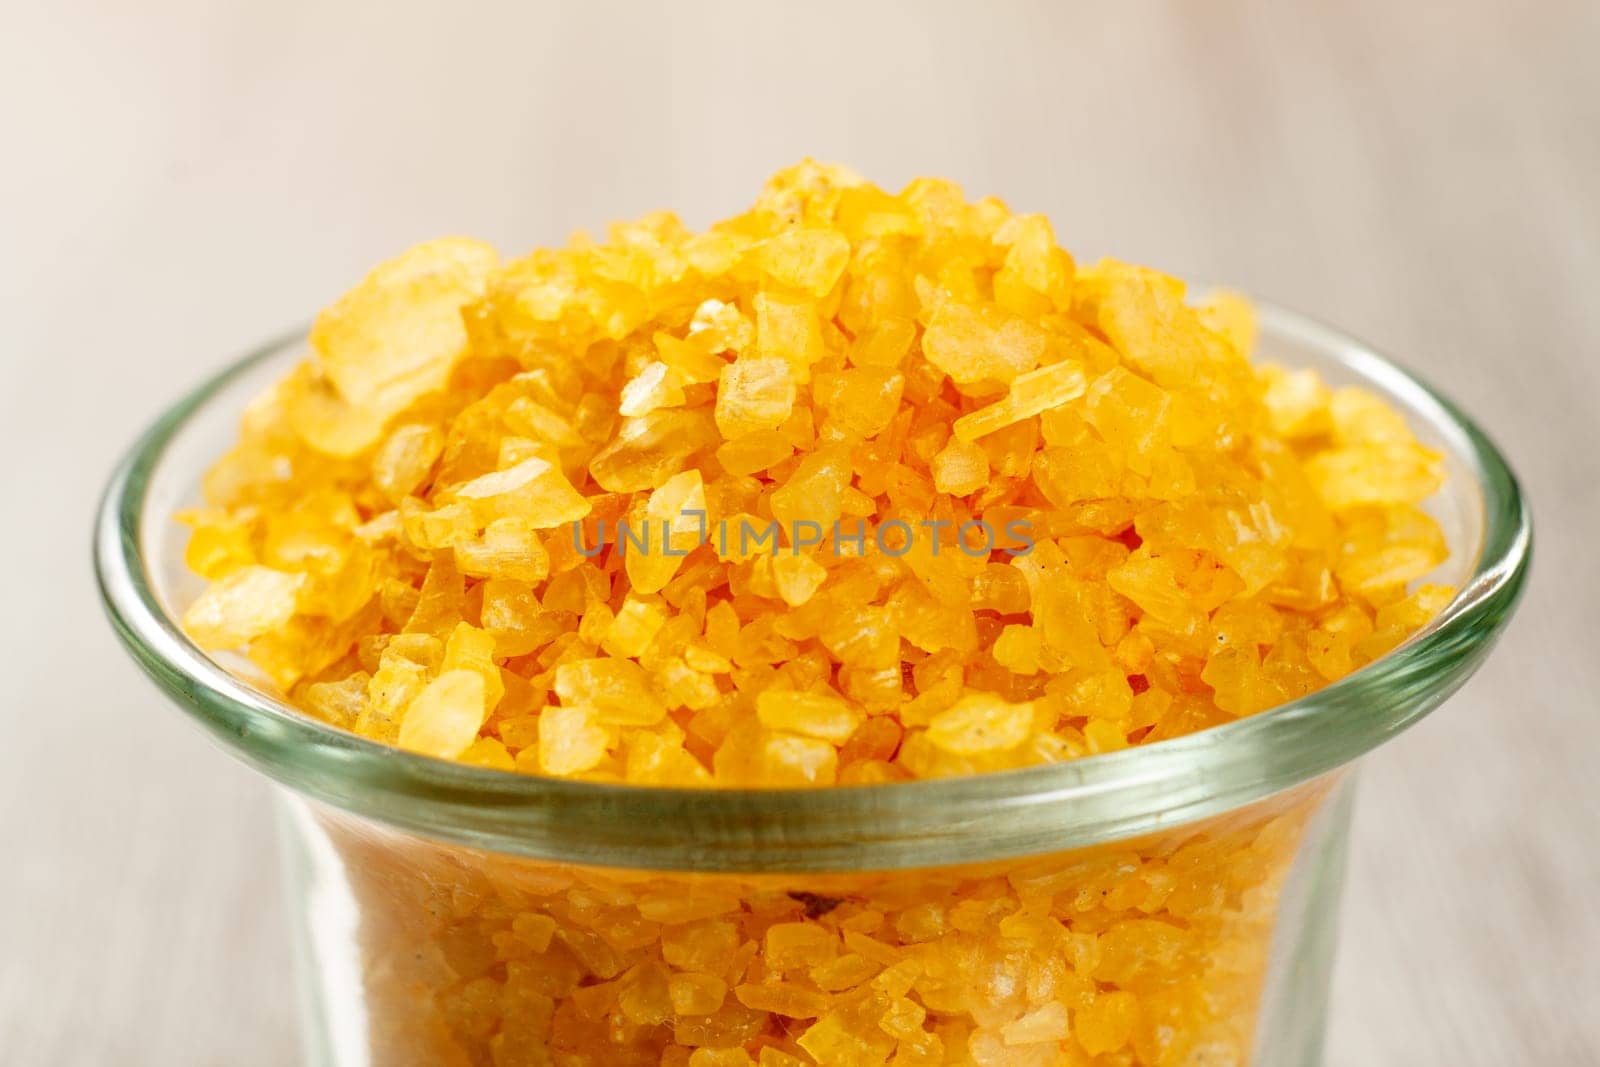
[{"x": 182, "y": 179}]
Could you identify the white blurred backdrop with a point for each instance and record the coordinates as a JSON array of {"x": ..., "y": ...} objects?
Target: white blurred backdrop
[{"x": 180, "y": 179}]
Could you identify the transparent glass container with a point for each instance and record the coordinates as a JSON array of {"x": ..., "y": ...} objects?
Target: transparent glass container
[{"x": 1170, "y": 904}]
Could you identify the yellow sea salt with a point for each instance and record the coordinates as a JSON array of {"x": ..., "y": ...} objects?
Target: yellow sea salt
[{"x": 853, "y": 488}]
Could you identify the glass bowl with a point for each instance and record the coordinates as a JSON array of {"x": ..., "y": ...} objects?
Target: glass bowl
[{"x": 1166, "y": 904}]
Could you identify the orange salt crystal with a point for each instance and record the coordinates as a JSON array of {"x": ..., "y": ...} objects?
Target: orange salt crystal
[
  {"x": 783, "y": 998},
  {"x": 853, "y": 488},
  {"x": 1106, "y": 1022},
  {"x": 696, "y": 994},
  {"x": 444, "y": 718},
  {"x": 1042, "y": 1025},
  {"x": 820, "y": 715},
  {"x": 243, "y": 605}
]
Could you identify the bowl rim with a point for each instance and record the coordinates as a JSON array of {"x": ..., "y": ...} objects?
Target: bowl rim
[{"x": 937, "y": 822}]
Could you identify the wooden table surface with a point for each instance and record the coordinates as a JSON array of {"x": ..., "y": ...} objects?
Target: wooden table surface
[{"x": 184, "y": 178}]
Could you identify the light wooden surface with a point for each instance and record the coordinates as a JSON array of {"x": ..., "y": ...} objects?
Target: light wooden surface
[{"x": 183, "y": 178}]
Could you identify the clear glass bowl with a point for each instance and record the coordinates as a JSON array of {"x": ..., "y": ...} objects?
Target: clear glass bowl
[{"x": 1167, "y": 904}]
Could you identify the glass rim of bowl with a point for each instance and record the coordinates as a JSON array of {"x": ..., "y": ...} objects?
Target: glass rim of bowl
[{"x": 927, "y": 823}]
